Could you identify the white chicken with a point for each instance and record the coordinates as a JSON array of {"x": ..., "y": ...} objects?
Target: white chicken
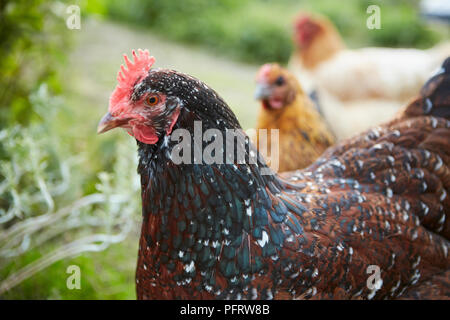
[{"x": 360, "y": 88}]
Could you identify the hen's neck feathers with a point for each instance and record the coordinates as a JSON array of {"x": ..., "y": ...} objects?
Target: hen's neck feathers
[
  {"x": 196, "y": 205},
  {"x": 162, "y": 178}
]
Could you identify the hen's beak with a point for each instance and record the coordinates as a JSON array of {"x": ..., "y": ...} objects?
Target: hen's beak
[
  {"x": 263, "y": 91},
  {"x": 107, "y": 123}
]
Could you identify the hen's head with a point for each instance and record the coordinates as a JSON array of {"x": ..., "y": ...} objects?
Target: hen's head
[
  {"x": 276, "y": 87},
  {"x": 306, "y": 29},
  {"x": 148, "y": 103}
]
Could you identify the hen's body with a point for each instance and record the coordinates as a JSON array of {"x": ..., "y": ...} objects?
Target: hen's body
[
  {"x": 373, "y": 73},
  {"x": 227, "y": 231}
]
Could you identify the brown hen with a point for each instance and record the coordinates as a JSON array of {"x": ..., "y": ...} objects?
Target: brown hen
[{"x": 285, "y": 107}]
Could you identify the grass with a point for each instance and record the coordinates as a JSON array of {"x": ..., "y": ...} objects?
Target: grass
[{"x": 104, "y": 275}]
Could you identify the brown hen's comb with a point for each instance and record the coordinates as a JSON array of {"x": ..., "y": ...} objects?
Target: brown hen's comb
[
  {"x": 264, "y": 72},
  {"x": 302, "y": 19},
  {"x": 128, "y": 77}
]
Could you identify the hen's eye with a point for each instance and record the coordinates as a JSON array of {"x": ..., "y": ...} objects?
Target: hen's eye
[
  {"x": 279, "y": 81},
  {"x": 152, "y": 100}
]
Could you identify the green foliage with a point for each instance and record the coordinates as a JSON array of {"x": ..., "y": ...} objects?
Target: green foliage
[
  {"x": 106, "y": 275},
  {"x": 46, "y": 215},
  {"x": 32, "y": 35},
  {"x": 223, "y": 25},
  {"x": 402, "y": 27},
  {"x": 401, "y": 24},
  {"x": 262, "y": 42},
  {"x": 259, "y": 31},
  {"x": 56, "y": 209}
]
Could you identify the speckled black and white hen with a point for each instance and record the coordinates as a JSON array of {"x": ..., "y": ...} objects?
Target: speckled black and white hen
[{"x": 214, "y": 231}]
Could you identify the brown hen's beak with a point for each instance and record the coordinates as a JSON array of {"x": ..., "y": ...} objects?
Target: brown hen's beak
[
  {"x": 108, "y": 122},
  {"x": 263, "y": 91}
]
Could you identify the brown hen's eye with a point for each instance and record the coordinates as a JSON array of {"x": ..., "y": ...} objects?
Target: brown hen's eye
[
  {"x": 152, "y": 100},
  {"x": 279, "y": 81}
]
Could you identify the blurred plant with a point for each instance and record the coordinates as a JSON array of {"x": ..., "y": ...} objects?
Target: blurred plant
[
  {"x": 42, "y": 204},
  {"x": 401, "y": 23},
  {"x": 259, "y": 31},
  {"x": 402, "y": 26},
  {"x": 222, "y": 25},
  {"x": 33, "y": 37}
]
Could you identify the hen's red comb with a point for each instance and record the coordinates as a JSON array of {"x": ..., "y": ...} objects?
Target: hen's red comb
[
  {"x": 128, "y": 77},
  {"x": 301, "y": 20},
  {"x": 264, "y": 72}
]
